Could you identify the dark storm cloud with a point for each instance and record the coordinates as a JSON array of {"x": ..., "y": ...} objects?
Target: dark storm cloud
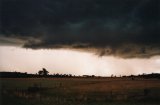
[{"x": 125, "y": 28}]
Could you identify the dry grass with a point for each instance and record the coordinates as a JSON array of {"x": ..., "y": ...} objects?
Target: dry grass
[{"x": 80, "y": 91}]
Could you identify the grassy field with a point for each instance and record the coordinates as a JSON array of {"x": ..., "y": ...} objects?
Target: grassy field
[{"x": 79, "y": 91}]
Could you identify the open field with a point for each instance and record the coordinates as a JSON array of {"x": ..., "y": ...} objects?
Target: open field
[{"x": 79, "y": 91}]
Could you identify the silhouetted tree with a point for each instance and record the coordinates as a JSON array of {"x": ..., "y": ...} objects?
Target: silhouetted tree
[
  {"x": 43, "y": 72},
  {"x": 40, "y": 72}
]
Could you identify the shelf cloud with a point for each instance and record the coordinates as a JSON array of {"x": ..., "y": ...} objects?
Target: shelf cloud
[{"x": 123, "y": 28}]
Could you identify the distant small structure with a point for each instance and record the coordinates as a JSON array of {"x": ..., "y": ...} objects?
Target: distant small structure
[{"x": 87, "y": 76}]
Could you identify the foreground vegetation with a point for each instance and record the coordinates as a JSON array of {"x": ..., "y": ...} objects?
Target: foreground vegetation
[{"x": 79, "y": 91}]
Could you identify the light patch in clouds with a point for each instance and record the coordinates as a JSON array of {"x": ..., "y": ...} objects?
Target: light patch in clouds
[{"x": 73, "y": 62}]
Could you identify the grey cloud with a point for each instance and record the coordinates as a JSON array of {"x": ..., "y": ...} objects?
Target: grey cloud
[{"x": 124, "y": 28}]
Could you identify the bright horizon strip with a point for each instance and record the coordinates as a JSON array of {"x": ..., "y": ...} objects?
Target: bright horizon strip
[{"x": 65, "y": 61}]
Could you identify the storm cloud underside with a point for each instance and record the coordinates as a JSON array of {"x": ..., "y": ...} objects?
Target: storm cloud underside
[{"x": 124, "y": 28}]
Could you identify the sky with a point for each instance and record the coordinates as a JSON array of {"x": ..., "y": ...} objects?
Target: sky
[
  {"x": 67, "y": 61},
  {"x": 100, "y": 37}
]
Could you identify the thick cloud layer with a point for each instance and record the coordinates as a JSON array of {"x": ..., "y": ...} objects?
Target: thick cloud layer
[{"x": 125, "y": 28}]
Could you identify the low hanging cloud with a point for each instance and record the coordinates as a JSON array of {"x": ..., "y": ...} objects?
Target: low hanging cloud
[{"x": 123, "y": 28}]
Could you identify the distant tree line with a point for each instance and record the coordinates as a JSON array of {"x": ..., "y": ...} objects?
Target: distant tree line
[
  {"x": 16, "y": 75},
  {"x": 25, "y": 75},
  {"x": 41, "y": 73},
  {"x": 45, "y": 74}
]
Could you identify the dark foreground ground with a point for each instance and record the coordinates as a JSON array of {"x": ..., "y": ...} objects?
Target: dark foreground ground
[{"x": 79, "y": 91}]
